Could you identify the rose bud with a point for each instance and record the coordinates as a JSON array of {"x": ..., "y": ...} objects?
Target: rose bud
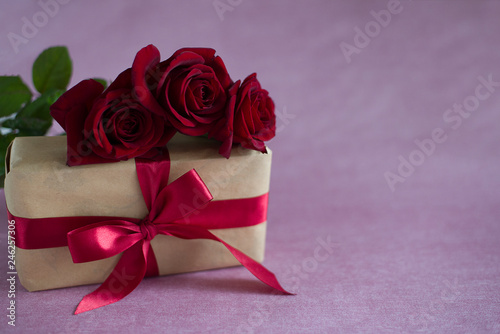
[{"x": 254, "y": 118}]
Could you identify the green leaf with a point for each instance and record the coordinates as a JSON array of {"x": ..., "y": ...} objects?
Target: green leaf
[
  {"x": 102, "y": 82},
  {"x": 9, "y": 123},
  {"x": 36, "y": 109},
  {"x": 53, "y": 94},
  {"x": 30, "y": 126},
  {"x": 13, "y": 94},
  {"x": 52, "y": 69},
  {"x": 40, "y": 108}
]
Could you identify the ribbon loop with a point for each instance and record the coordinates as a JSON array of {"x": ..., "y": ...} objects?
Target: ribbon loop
[{"x": 102, "y": 240}]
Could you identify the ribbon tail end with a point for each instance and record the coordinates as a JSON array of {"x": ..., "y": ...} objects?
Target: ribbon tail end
[
  {"x": 270, "y": 280},
  {"x": 257, "y": 269},
  {"x": 84, "y": 306},
  {"x": 281, "y": 289}
]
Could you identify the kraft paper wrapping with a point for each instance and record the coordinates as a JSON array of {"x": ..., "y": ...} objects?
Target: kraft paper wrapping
[{"x": 38, "y": 184}]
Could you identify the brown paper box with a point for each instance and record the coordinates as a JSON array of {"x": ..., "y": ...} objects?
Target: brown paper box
[{"x": 38, "y": 184}]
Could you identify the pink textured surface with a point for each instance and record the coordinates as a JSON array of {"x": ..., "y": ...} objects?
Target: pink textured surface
[{"x": 422, "y": 258}]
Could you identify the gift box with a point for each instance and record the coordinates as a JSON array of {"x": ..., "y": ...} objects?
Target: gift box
[
  {"x": 39, "y": 184},
  {"x": 164, "y": 171}
]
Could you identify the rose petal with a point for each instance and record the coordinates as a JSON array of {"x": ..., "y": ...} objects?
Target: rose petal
[
  {"x": 84, "y": 93},
  {"x": 143, "y": 66},
  {"x": 207, "y": 53},
  {"x": 122, "y": 81}
]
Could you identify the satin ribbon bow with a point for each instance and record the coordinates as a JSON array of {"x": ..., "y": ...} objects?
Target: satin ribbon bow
[{"x": 167, "y": 212}]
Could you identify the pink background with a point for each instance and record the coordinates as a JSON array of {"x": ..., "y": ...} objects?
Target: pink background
[{"x": 422, "y": 258}]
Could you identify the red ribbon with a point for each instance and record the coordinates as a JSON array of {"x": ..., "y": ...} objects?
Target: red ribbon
[{"x": 180, "y": 209}]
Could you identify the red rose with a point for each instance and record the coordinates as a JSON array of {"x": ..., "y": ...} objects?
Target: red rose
[
  {"x": 189, "y": 89},
  {"x": 254, "y": 119},
  {"x": 191, "y": 92},
  {"x": 108, "y": 126}
]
